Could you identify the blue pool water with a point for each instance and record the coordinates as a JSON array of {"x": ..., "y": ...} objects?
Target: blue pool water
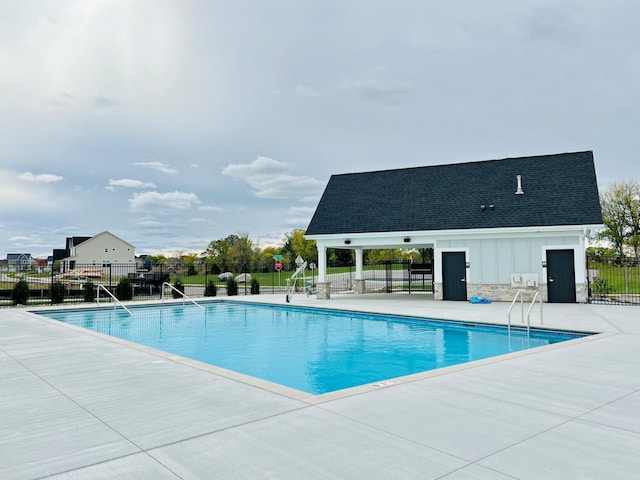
[{"x": 313, "y": 350}]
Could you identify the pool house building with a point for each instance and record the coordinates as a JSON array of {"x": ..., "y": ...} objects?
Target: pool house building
[{"x": 496, "y": 227}]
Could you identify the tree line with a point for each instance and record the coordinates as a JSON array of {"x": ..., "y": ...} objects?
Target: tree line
[
  {"x": 237, "y": 252},
  {"x": 620, "y": 204}
]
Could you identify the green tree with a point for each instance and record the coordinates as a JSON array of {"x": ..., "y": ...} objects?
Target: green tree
[
  {"x": 20, "y": 293},
  {"x": 340, "y": 257},
  {"x": 232, "y": 287},
  {"x": 241, "y": 252},
  {"x": 218, "y": 250},
  {"x": 157, "y": 259},
  {"x": 255, "y": 286},
  {"x": 58, "y": 292},
  {"x": 124, "y": 289},
  {"x": 89, "y": 291},
  {"x": 190, "y": 260},
  {"x": 265, "y": 258},
  {"x": 384, "y": 255},
  {"x": 178, "y": 285},
  {"x": 621, "y": 216},
  {"x": 307, "y": 249},
  {"x": 211, "y": 290},
  {"x": 600, "y": 253}
]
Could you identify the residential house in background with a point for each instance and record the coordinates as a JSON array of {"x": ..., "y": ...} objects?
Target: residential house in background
[
  {"x": 18, "y": 262},
  {"x": 100, "y": 250}
]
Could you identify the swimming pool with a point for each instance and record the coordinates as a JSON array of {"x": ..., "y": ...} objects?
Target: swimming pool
[{"x": 308, "y": 349}]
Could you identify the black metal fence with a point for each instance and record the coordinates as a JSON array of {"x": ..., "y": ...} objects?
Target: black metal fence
[
  {"x": 610, "y": 280},
  {"x": 614, "y": 280},
  {"x": 385, "y": 277},
  {"x": 86, "y": 283}
]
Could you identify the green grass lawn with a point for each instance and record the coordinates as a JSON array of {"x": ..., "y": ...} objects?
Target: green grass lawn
[{"x": 615, "y": 279}]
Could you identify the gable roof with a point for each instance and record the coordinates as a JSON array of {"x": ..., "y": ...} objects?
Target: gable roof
[
  {"x": 75, "y": 241},
  {"x": 12, "y": 257},
  {"x": 558, "y": 190}
]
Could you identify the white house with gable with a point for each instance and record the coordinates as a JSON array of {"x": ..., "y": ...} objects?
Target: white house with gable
[{"x": 101, "y": 250}]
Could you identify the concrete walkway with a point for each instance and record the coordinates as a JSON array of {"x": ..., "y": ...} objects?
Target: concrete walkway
[{"x": 78, "y": 405}]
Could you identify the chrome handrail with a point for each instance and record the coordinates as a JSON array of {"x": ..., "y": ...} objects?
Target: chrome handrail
[
  {"x": 533, "y": 302},
  {"x": 518, "y": 294},
  {"x": 115, "y": 300},
  {"x": 184, "y": 295}
]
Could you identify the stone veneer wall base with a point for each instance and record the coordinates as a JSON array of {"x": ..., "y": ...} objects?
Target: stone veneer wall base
[{"x": 324, "y": 290}]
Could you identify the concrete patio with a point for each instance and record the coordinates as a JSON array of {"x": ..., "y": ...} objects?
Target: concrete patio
[{"x": 78, "y": 405}]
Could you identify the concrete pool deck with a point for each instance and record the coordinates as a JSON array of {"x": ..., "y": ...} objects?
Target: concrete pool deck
[{"x": 77, "y": 405}]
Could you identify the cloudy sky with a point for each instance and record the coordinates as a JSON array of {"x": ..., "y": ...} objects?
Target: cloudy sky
[{"x": 171, "y": 123}]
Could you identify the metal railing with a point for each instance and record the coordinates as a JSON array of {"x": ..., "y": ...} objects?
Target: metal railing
[
  {"x": 613, "y": 280},
  {"x": 538, "y": 297},
  {"x": 184, "y": 295},
  {"x": 115, "y": 300},
  {"x": 520, "y": 295}
]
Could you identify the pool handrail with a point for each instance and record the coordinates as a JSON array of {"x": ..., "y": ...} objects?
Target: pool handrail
[
  {"x": 184, "y": 295},
  {"x": 520, "y": 294},
  {"x": 295, "y": 278},
  {"x": 115, "y": 300},
  {"x": 533, "y": 302}
]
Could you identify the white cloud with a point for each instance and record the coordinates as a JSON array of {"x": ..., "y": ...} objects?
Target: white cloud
[
  {"x": 260, "y": 166},
  {"x": 210, "y": 208},
  {"x": 23, "y": 239},
  {"x": 302, "y": 211},
  {"x": 163, "y": 203},
  {"x": 16, "y": 198},
  {"x": 269, "y": 178},
  {"x": 161, "y": 167},
  {"x": 130, "y": 183},
  {"x": 40, "y": 178}
]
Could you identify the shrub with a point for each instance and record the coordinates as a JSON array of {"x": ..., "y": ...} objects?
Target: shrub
[
  {"x": 600, "y": 286},
  {"x": 124, "y": 289},
  {"x": 210, "y": 290},
  {"x": 58, "y": 292},
  {"x": 178, "y": 285},
  {"x": 191, "y": 270},
  {"x": 232, "y": 287},
  {"x": 20, "y": 293},
  {"x": 89, "y": 291},
  {"x": 255, "y": 287}
]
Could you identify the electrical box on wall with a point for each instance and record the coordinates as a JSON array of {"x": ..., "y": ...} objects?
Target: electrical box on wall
[{"x": 524, "y": 280}]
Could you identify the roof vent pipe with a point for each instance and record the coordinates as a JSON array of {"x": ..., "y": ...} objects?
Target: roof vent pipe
[{"x": 519, "y": 190}]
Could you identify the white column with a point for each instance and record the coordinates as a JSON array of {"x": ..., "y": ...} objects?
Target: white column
[
  {"x": 322, "y": 263},
  {"x": 359, "y": 268}
]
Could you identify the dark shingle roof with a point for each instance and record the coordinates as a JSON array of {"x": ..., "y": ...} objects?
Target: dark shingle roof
[{"x": 559, "y": 189}]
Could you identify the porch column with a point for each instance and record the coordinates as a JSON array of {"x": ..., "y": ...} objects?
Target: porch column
[
  {"x": 323, "y": 286},
  {"x": 358, "y": 284}
]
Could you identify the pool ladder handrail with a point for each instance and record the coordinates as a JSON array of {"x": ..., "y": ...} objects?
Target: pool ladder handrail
[
  {"x": 184, "y": 295},
  {"x": 115, "y": 300},
  {"x": 520, "y": 294},
  {"x": 295, "y": 277},
  {"x": 513, "y": 302},
  {"x": 533, "y": 302}
]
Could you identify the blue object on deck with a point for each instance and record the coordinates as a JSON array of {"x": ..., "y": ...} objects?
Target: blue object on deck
[{"x": 479, "y": 300}]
